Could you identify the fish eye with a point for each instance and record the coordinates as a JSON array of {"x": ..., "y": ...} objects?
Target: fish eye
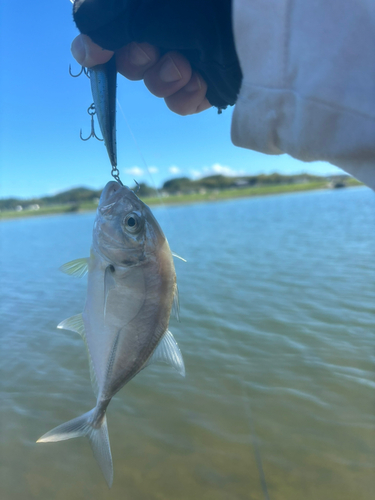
[{"x": 133, "y": 223}]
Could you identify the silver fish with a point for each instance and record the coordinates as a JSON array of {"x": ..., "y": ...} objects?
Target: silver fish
[{"x": 131, "y": 290}]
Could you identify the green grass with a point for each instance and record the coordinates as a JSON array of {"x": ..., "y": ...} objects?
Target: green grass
[
  {"x": 351, "y": 181},
  {"x": 225, "y": 194},
  {"x": 49, "y": 210}
]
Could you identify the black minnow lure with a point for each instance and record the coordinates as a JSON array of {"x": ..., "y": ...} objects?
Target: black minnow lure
[{"x": 103, "y": 87}]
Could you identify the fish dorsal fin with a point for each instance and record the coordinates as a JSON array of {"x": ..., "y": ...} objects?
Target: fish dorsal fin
[
  {"x": 75, "y": 324},
  {"x": 77, "y": 268},
  {"x": 168, "y": 352},
  {"x": 176, "y": 304},
  {"x": 178, "y": 257}
]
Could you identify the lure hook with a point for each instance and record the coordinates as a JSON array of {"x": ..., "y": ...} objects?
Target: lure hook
[
  {"x": 83, "y": 70},
  {"x": 137, "y": 187},
  {"x": 91, "y": 111}
]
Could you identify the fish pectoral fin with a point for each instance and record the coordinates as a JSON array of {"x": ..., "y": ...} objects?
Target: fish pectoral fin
[
  {"x": 176, "y": 304},
  {"x": 178, "y": 257},
  {"x": 168, "y": 352},
  {"x": 77, "y": 268},
  {"x": 75, "y": 324}
]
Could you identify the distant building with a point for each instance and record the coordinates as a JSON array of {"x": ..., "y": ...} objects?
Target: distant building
[{"x": 241, "y": 182}]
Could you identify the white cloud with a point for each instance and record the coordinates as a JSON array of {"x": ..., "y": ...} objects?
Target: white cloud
[
  {"x": 134, "y": 171},
  {"x": 216, "y": 169},
  {"x": 153, "y": 170},
  {"x": 196, "y": 174},
  {"x": 174, "y": 170}
]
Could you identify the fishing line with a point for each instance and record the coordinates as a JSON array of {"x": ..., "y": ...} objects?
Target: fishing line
[
  {"x": 140, "y": 154},
  {"x": 255, "y": 443},
  {"x": 161, "y": 201},
  {"x": 254, "y": 438}
]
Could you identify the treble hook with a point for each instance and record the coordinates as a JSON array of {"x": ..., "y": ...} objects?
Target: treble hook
[
  {"x": 83, "y": 70},
  {"x": 137, "y": 187},
  {"x": 91, "y": 111}
]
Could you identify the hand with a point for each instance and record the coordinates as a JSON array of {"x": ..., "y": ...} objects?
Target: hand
[
  {"x": 198, "y": 31},
  {"x": 169, "y": 76}
]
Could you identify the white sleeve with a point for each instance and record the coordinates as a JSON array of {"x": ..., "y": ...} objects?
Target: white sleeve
[{"x": 308, "y": 85}]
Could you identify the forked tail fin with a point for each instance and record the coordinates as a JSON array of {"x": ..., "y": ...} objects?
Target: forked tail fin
[{"x": 97, "y": 434}]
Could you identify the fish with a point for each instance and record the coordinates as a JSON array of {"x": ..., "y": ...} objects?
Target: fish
[{"x": 131, "y": 291}]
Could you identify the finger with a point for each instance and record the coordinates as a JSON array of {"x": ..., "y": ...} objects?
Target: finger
[
  {"x": 134, "y": 59},
  {"x": 191, "y": 98},
  {"x": 87, "y": 53},
  {"x": 168, "y": 75}
]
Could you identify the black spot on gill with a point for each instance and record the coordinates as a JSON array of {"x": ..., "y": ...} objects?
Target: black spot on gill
[{"x": 111, "y": 268}]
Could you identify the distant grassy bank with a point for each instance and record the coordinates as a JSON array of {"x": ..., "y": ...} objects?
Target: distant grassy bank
[{"x": 204, "y": 195}]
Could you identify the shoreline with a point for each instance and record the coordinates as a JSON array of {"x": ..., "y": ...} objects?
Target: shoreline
[{"x": 181, "y": 199}]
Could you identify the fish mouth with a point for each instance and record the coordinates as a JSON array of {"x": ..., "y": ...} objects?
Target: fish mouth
[
  {"x": 110, "y": 193},
  {"x": 114, "y": 193}
]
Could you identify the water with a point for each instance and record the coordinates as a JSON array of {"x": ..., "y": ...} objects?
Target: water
[{"x": 277, "y": 333}]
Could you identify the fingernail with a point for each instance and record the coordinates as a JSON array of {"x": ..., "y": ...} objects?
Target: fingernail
[
  {"x": 138, "y": 56},
  {"x": 78, "y": 49},
  {"x": 168, "y": 72},
  {"x": 193, "y": 84}
]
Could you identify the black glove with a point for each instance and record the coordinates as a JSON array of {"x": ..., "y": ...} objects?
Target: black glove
[{"x": 201, "y": 30}]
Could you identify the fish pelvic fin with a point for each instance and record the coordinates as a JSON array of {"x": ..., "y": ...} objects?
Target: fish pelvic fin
[
  {"x": 97, "y": 432},
  {"x": 74, "y": 324}
]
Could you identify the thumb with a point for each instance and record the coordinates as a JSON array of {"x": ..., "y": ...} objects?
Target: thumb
[{"x": 87, "y": 53}]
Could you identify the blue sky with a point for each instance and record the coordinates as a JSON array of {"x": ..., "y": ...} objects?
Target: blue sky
[{"x": 43, "y": 109}]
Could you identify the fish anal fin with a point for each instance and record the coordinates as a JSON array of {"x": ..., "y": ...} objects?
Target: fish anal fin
[
  {"x": 168, "y": 352},
  {"x": 77, "y": 268}
]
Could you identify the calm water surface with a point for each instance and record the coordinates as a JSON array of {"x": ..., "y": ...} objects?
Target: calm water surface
[{"x": 278, "y": 335}]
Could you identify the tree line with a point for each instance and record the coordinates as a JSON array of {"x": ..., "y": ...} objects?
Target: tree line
[{"x": 175, "y": 186}]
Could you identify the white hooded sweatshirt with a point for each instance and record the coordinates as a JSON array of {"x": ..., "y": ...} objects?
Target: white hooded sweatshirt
[{"x": 308, "y": 85}]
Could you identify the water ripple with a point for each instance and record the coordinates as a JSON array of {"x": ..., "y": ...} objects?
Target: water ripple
[{"x": 278, "y": 338}]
